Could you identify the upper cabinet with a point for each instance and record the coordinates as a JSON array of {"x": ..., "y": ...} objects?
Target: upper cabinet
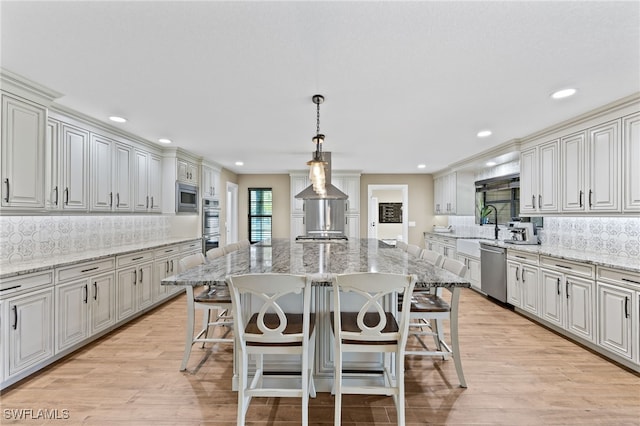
[
  {"x": 631, "y": 163},
  {"x": 453, "y": 194},
  {"x": 24, "y": 130},
  {"x": 147, "y": 182},
  {"x": 539, "y": 179},
  {"x": 187, "y": 172},
  {"x": 111, "y": 175},
  {"x": 299, "y": 181},
  {"x": 350, "y": 185},
  {"x": 210, "y": 181}
]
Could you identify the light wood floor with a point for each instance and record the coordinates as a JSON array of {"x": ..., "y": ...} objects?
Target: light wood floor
[{"x": 517, "y": 372}]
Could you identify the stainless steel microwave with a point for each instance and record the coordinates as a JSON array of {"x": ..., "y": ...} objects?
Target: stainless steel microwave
[{"x": 186, "y": 198}]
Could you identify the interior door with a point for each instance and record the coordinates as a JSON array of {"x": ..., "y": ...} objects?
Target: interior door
[
  {"x": 373, "y": 218},
  {"x": 231, "y": 222}
]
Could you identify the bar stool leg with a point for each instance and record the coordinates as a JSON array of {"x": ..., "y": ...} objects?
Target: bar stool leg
[
  {"x": 189, "y": 334},
  {"x": 455, "y": 297}
]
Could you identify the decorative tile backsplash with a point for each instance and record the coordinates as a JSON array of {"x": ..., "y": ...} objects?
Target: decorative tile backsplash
[
  {"x": 619, "y": 236},
  {"x": 33, "y": 237}
]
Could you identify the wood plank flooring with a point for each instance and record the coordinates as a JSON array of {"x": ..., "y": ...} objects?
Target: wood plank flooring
[{"x": 517, "y": 372}]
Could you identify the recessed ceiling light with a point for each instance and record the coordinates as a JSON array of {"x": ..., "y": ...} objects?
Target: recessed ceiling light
[
  {"x": 164, "y": 140},
  {"x": 422, "y": 166},
  {"x": 118, "y": 119},
  {"x": 484, "y": 133},
  {"x": 564, "y": 93},
  {"x": 491, "y": 163},
  {"x": 239, "y": 163}
]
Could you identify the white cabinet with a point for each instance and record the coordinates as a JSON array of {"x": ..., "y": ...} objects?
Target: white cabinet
[
  {"x": 619, "y": 312},
  {"x": 27, "y": 330},
  {"x": 165, "y": 265},
  {"x": 102, "y": 302},
  {"x": 352, "y": 226},
  {"x": 539, "y": 173},
  {"x": 210, "y": 184},
  {"x": 454, "y": 194},
  {"x": 298, "y": 183},
  {"x": 473, "y": 269},
  {"x": 350, "y": 185},
  {"x": 74, "y": 167},
  {"x": 111, "y": 175},
  {"x": 147, "y": 181},
  {"x": 22, "y": 154},
  {"x": 298, "y": 226},
  {"x": 134, "y": 284},
  {"x": 631, "y": 163},
  {"x": 591, "y": 169},
  {"x": 568, "y": 301},
  {"x": 187, "y": 172},
  {"x": 446, "y": 246},
  {"x": 522, "y": 280}
]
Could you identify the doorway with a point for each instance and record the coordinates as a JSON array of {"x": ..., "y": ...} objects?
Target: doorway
[
  {"x": 231, "y": 221},
  {"x": 388, "y": 195}
]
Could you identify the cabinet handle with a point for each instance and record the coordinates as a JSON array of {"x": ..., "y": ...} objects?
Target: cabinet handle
[
  {"x": 15, "y": 317},
  {"x": 56, "y": 199},
  {"x": 86, "y": 294},
  {"x": 137, "y": 258},
  {"x": 563, "y": 266},
  {"x": 111, "y": 199},
  {"x": 590, "y": 194},
  {"x": 346, "y": 220},
  {"x": 117, "y": 199},
  {"x": 167, "y": 268},
  {"x": 147, "y": 201},
  {"x": 580, "y": 197},
  {"x": 6, "y": 182},
  {"x": 152, "y": 201},
  {"x": 558, "y": 286},
  {"x": 539, "y": 200},
  {"x": 522, "y": 275},
  {"x": 567, "y": 288},
  {"x": 171, "y": 265},
  {"x": 533, "y": 201},
  {"x": 66, "y": 196},
  {"x": 140, "y": 274},
  {"x": 95, "y": 290},
  {"x": 135, "y": 276},
  {"x": 630, "y": 281},
  {"x": 517, "y": 270},
  {"x": 90, "y": 269},
  {"x": 519, "y": 257},
  {"x": 626, "y": 306}
]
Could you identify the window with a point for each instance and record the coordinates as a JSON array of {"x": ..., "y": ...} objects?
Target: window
[{"x": 260, "y": 212}]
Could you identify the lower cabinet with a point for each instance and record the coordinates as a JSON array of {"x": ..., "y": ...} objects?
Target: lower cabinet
[
  {"x": 134, "y": 290},
  {"x": 165, "y": 265},
  {"x": 28, "y": 330},
  {"x": 616, "y": 311},
  {"x": 473, "y": 269},
  {"x": 522, "y": 286}
]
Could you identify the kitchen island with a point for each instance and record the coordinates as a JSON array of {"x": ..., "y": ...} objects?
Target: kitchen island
[{"x": 321, "y": 261}]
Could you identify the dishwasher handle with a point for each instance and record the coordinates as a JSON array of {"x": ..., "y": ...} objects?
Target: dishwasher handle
[{"x": 498, "y": 251}]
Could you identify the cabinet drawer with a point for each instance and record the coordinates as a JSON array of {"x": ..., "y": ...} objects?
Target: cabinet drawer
[
  {"x": 166, "y": 251},
  {"x": 192, "y": 246},
  {"x": 84, "y": 269},
  {"x": 15, "y": 285},
  {"x": 522, "y": 256},
  {"x": 568, "y": 267},
  {"x": 623, "y": 278},
  {"x": 134, "y": 258}
]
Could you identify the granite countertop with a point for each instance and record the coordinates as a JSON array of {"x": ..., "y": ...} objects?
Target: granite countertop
[
  {"x": 8, "y": 270},
  {"x": 320, "y": 261}
]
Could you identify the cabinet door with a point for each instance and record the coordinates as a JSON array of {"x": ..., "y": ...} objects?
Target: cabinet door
[
  {"x": 352, "y": 226},
  {"x": 573, "y": 161},
  {"x": 155, "y": 183},
  {"x": 529, "y": 283},
  {"x": 101, "y": 174},
  {"x": 161, "y": 271},
  {"x": 30, "y": 337},
  {"x": 75, "y": 168},
  {"x": 52, "y": 165},
  {"x": 474, "y": 272},
  {"x": 144, "y": 294},
  {"x": 631, "y": 156},
  {"x": 350, "y": 185},
  {"x": 528, "y": 181},
  {"x": 615, "y": 316},
  {"x": 22, "y": 155},
  {"x": 438, "y": 196},
  {"x": 297, "y": 226},
  {"x": 298, "y": 183},
  {"x": 513, "y": 283},
  {"x": 604, "y": 168},
  {"x": 126, "y": 292},
  {"x": 548, "y": 179},
  {"x": 552, "y": 289},
  {"x": 580, "y": 307},
  {"x": 206, "y": 183},
  {"x": 72, "y": 314},
  {"x": 451, "y": 192},
  {"x": 141, "y": 182},
  {"x": 123, "y": 178},
  {"x": 102, "y": 302}
]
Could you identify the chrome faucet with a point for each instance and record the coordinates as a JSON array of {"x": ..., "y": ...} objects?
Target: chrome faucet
[{"x": 495, "y": 219}]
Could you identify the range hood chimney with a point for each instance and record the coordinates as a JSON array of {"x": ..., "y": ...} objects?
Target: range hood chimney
[{"x": 333, "y": 193}]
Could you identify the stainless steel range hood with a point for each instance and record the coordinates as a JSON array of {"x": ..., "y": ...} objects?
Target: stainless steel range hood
[{"x": 333, "y": 193}]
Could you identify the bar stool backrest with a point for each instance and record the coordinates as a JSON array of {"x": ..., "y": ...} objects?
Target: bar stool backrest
[
  {"x": 454, "y": 266},
  {"x": 191, "y": 261},
  {"x": 414, "y": 250},
  {"x": 215, "y": 253},
  {"x": 432, "y": 257},
  {"x": 230, "y": 247}
]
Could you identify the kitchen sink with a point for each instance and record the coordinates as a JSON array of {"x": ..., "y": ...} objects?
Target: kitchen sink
[{"x": 469, "y": 247}]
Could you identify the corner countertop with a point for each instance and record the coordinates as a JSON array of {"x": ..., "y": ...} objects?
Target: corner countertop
[{"x": 8, "y": 270}]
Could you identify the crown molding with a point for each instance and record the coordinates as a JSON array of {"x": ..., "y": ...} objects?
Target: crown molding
[{"x": 28, "y": 89}]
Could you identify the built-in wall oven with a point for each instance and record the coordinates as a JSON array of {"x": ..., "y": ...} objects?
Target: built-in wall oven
[{"x": 210, "y": 224}]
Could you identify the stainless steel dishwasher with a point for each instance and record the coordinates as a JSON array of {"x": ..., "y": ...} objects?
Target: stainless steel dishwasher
[{"x": 493, "y": 276}]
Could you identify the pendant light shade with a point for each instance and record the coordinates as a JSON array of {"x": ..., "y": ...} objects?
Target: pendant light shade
[{"x": 317, "y": 164}]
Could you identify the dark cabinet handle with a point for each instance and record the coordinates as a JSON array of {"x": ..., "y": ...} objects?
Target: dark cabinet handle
[
  {"x": 56, "y": 199},
  {"x": 111, "y": 199},
  {"x": 626, "y": 307},
  {"x": 590, "y": 194},
  {"x": 558, "y": 286},
  {"x": 135, "y": 276},
  {"x": 522, "y": 275},
  {"x": 152, "y": 201},
  {"x": 147, "y": 201},
  {"x": 66, "y": 196},
  {"x": 137, "y": 258},
  {"x": 86, "y": 294},
  {"x": 15, "y": 317},
  {"x": 533, "y": 201},
  {"x": 172, "y": 265},
  {"x": 117, "y": 199},
  {"x": 517, "y": 270},
  {"x": 539, "y": 200},
  {"x": 630, "y": 281},
  {"x": 567, "y": 288},
  {"x": 563, "y": 266},
  {"x": 580, "y": 197},
  {"x": 90, "y": 269},
  {"x": 95, "y": 290},
  {"x": 140, "y": 274},
  {"x": 6, "y": 182},
  {"x": 167, "y": 269}
]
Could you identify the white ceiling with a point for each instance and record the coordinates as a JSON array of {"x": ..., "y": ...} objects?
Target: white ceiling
[{"x": 405, "y": 82}]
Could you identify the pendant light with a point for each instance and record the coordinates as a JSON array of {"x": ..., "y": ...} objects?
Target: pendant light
[{"x": 317, "y": 164}]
